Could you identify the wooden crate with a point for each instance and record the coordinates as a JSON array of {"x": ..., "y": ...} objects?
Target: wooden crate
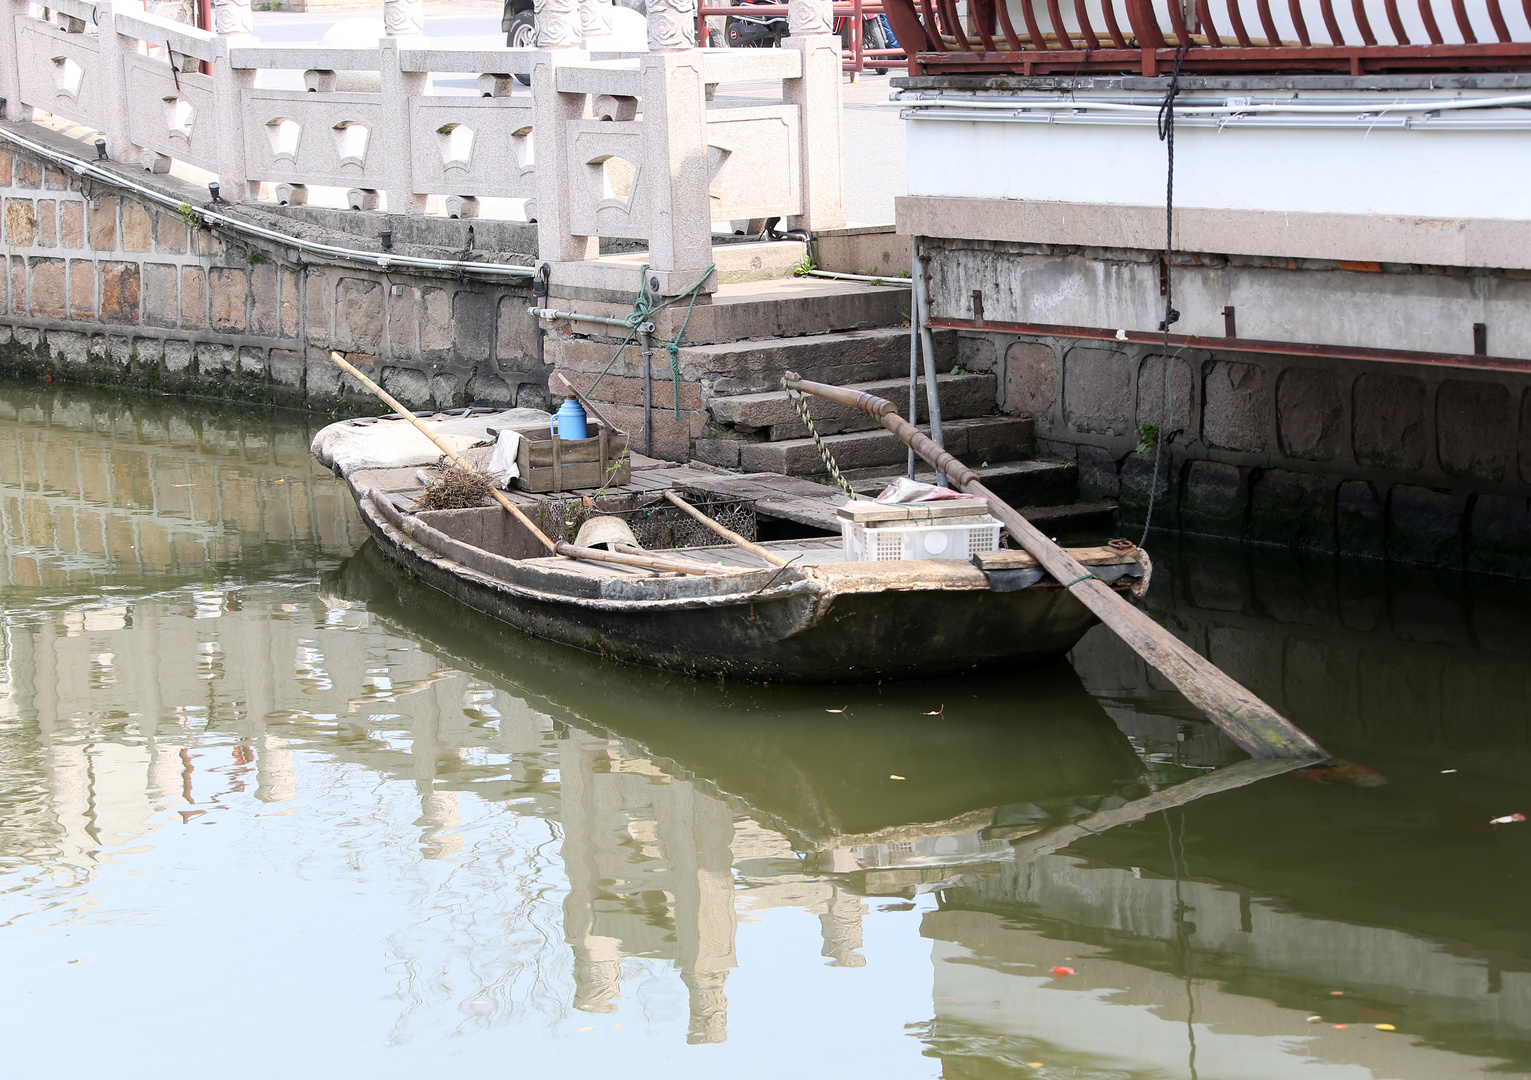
[{"x": 549, "y": 464}]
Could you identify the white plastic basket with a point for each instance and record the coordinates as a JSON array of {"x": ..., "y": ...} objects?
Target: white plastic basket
[{"x": 946, "y": 538}]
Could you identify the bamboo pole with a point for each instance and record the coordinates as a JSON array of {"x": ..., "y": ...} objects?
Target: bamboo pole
[
  {"x": 726, "y": 533},
  {"x": 1251, "y": 723},
  {"x": 647, "y": 562}
]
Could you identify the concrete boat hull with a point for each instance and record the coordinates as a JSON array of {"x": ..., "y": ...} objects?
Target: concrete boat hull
[{"x": 849, "y": 622}]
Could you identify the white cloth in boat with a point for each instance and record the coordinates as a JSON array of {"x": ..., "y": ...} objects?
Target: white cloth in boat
[
  {"x": 395, "y": 444},
  {"x": 502, "y": 467}
]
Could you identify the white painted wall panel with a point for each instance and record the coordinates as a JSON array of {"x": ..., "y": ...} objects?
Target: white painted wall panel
[{"x": 1425, "y": 171}]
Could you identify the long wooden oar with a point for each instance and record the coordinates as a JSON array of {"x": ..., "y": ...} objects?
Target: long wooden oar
[
  {"x": 1244, "y": 718},
  {"x": 571, "y": 551},
  {"x": 725, "y": 532}
]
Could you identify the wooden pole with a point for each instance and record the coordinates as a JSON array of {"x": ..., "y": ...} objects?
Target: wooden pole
[
  {"x": 1251, "y": 723},
  {"x": 726, "y": 533},
  {"x": 646, "y": 562}
]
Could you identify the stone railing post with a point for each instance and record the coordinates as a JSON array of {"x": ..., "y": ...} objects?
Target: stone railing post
[
  {"x": 675, "y": 150},
  {"x": 112, "y": 49},
  {"x": 558, "y": 39},
  {"x": 810, "y": 29},
  {"x": 10, "y": 60},
  {"x": 234, "y": 24},
  {"x": 398, "y": 88},
  {"x": 229, "y": 85}
]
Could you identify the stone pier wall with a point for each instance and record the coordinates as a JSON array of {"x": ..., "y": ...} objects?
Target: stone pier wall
[
  {"x": 103, "y": 286},
  {"x": 1417, "y": 463}
]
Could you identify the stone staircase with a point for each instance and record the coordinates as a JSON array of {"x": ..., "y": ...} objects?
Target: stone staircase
[{"x": 736, "y": 416}]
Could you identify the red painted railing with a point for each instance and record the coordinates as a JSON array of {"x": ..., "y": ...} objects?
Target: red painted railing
[
  {"x": 1218, "y": 35},
  {"x": 856, "y": 57}
]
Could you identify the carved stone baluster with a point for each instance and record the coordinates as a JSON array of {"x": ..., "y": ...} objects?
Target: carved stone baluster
[
  {"x": 672, "y": 25},
  {"x": 595, "y": 24},
  {"x": 810, "y": 18},
  {"x": 232, "y": 17},
  {"x": 558, "y": 24},
  {"x": 403, "y": 18}
]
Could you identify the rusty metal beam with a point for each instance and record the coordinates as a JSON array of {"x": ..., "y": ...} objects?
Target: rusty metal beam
[{"x": 1244, "y": 345}]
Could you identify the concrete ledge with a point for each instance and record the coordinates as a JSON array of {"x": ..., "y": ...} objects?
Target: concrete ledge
[
  {"x": 1476, "y": 242},
  {"x": 874, "y": 249}
]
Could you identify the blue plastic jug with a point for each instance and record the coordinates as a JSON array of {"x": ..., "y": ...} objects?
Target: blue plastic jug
[{"x": 569, "y": 421}]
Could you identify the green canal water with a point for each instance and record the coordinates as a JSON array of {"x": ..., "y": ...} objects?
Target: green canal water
[{"x": 268, "y": 808}]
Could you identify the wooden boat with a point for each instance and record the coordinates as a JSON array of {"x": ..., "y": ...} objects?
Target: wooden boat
[{"x": 819, "y": 619}]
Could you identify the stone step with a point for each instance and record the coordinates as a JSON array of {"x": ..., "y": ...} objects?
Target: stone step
[
  {"x": 1019, "y": 483},
  {"x": 979, "y": 441},
  {"x": 738, "y": 311},
  {"x": 962, "y": 396},
  {"x": 746, "y": 367}
]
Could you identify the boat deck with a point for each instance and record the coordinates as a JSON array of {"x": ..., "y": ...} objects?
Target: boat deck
[{"x": 775, "y": 495}]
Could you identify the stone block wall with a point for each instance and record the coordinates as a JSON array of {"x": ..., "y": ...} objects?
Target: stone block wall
[
  {"x": 103, "y": 286},
  {"x": 1412, "y": 462}
]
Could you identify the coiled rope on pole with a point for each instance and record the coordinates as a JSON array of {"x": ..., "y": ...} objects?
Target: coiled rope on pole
[{"x": 644, "y": 310}]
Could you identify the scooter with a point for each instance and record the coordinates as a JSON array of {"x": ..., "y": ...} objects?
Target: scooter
[
  {"x": 754, "y": 32},
  {"x": 872, "y": 35}
]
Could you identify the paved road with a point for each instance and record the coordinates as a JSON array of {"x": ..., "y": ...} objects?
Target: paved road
[{"x": 874, "y": 135}]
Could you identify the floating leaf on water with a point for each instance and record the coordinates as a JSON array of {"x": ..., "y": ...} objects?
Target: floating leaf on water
[
  {"x": 841, "y": 709},
  {"x": 1060, "y": 971},
  {"x": 1315, "y": 1019},
  {"x": 1508, "y": 819},
  {"x": 1386, "y": 1027},
  {"x": 894, "y": 776},
  {"x": 938, "y": 712}
]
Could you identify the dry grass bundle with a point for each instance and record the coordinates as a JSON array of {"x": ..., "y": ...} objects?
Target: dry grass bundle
[{"x": 455, "y": 489}]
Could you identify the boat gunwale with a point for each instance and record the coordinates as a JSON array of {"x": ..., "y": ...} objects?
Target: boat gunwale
[{"x": 401, "y": 535}]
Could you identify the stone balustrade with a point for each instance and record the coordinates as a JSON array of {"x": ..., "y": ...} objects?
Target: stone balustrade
[{"x": 602, "y": 145}]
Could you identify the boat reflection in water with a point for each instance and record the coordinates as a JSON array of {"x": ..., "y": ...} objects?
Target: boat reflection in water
[
  {"x": 676, "y": 794},
  {"x": 401, "y": 823}
]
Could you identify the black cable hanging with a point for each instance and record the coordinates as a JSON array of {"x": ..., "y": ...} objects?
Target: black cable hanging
[{"x": 1166, "y": 136}]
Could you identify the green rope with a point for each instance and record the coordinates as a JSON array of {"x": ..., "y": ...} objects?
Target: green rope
[
  {"x": 830, "y": 465},
  {"x": 644, "y": 310},
  {"x": 1077, "y": 580}
]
